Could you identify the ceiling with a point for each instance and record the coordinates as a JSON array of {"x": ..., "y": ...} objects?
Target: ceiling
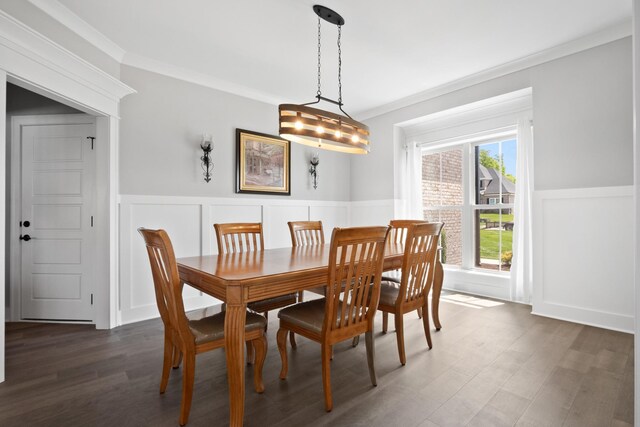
[{"x": 391, "y": 50}]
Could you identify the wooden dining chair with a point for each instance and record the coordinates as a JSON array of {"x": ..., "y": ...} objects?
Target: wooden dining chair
[
  {"x": 307, "y": 233},
  {"x": 248, "y": 237},
  {"x": 356, "y": 258},
  {"x": 186, "y": 335},
  {"x": 418, "y": 272},
  {"x": 398, "y": 236}
]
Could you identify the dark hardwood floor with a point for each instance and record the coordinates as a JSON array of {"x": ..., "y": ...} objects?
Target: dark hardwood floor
[{"x": 491, "y": 365}]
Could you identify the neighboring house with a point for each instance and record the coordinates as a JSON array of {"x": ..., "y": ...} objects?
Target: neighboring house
[{"x": 494, "y": 190}]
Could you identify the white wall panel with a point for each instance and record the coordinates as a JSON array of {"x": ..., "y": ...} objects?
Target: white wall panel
[
  {"x": 276, "y": 230},
  {"x": 189, "y": 222},
  {"x": 373, "y": 212},
  {"x": 331, "y": 217},
  {"x": 583, "y": 256},
  {"x": 182, "y": 223},
  {"x": 222, "y": 213}
]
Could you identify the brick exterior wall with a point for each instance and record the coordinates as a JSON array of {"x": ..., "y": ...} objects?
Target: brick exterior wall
[{"x": 442, "y": 186}]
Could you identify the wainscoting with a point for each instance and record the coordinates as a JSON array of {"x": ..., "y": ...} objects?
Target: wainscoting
[
  {"x": 583, "y": 257},
  {"x": 582, "y": 241},
  {"x": 189, "y": 222}
]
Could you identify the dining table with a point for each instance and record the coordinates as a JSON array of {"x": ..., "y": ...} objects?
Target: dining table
[{"x": 240, "y": 278}]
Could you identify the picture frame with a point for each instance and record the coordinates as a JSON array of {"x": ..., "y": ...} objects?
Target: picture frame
[{"x": 263, "y": 163}]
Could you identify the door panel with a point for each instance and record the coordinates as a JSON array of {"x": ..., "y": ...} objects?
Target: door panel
[{"x": 57, "y": 198}]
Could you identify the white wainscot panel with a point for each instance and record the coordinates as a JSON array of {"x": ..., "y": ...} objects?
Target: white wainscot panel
[
  {"x": 331, "y": 217},
  {"x": 583, "y": 256},
  {"x": 374, "y": 212},
  {"x": 223, "y": 213},
  {"x": 276, "y": 230},
  {"x": 182, "y": 223}
]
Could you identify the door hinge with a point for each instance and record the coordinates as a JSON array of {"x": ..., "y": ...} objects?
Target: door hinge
[
  {"x": 91, "y": 299},
  {"x": 92, "y": 138},
  {"x": 92, "y": 220}
]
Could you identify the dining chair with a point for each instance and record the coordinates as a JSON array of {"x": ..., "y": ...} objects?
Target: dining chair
[
  {"x": 307, "y": 233},
  {"x": 185, "y": 334},
  {"x": 248, "y": 237},
  {"x": 356, "y": 259},
  {"x": 418, "y": 272},
  {"x": 398, "y": 236}
]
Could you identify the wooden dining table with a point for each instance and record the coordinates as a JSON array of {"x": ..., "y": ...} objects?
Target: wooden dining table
[{"x": 240, "y": 278}]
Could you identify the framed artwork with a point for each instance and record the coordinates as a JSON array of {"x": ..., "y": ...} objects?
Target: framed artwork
[{"x": 263, "y": 163}]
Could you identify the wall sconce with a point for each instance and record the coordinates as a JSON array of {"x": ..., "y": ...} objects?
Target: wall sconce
[
  {"x": 315, "y": 161},
  {"x": 207, "y": 165}
]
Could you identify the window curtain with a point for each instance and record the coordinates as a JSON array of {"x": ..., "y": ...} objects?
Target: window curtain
[
  {"x": 521, "y": 264},
  {"x": 414, "y": 169}
]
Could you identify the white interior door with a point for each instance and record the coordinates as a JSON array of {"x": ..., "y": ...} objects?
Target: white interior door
[{"x": 57, "y": 180}]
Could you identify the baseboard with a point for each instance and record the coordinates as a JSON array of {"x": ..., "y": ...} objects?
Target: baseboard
[{"x": 599, "y": 319}]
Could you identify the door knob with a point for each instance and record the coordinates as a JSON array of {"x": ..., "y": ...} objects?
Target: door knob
[
  {"x": 26, "y": 224},
  {"x": 26, "y": 237}
]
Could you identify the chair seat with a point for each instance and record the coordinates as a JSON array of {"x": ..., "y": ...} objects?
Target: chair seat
[
  {"x": 389, "y": 291},
  {"x": 211, "y": 328},
  {"x": 269, "y": 304},
  {"x": 308, "y": 315}
]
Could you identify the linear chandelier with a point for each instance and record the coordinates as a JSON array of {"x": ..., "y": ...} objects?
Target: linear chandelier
[{"x": 319, "y": 128}]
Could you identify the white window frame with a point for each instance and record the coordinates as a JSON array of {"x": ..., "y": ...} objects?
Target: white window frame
[{"x": 469, "y": 206}]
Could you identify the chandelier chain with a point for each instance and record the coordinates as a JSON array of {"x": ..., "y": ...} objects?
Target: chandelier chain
[
  {"x": 339, "y": 65},
  {"x": 319, "y": 93}
]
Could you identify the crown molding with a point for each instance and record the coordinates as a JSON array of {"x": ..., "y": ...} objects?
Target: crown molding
[
  {"x": 616, "y": 32},
  {"x": 202, "y": 79},
  {"x": 73, "y": 22},
  {"x": 30, "y": 57},
  {"x": 76, "y": 24}
]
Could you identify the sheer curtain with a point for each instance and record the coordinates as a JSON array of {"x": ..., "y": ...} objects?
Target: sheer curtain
[
  {"x": 521, "y": 265},
  {"x": 414, "y": 175}
]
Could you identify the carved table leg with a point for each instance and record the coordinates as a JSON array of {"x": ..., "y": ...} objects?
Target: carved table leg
[
  {"x": 435, "y": 296},
  {"x": 234, "y": 348}
]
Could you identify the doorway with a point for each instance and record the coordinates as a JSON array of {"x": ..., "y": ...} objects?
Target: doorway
[{"x": 52, "y": 243}]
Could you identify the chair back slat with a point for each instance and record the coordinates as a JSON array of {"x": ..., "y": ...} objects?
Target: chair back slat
[
  {"x": 419, "y": 261},
  {"x": 305, "y": 233},
  {"x": 239, "y": 237},
  {"x": 399, "y": 229},
  {"x": 167, "y": 284},
  {"x": 355, "y": 267}
]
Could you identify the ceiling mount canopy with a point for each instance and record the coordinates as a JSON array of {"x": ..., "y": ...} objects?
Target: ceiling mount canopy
[{"x": 319, "y": 128}]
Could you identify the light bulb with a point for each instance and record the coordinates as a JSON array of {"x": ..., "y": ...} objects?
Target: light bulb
[
  {"x": 355, "y": 138},
  {"x": 320, "y": 129},
  {"x": 338, "y": 134},
  {"x": 298, "y": 125}
]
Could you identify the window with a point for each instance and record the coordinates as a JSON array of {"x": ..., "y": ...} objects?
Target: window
[{"x": 470, "y": 187}]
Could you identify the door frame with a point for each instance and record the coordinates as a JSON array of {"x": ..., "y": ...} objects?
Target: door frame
[{"x": 15, "y": 162}]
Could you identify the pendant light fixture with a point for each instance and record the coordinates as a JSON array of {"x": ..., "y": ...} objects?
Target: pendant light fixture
[{"x": 319, "y": 128}]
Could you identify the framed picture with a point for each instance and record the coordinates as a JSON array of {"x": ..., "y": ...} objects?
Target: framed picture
[{"x": 263, "y": 163}]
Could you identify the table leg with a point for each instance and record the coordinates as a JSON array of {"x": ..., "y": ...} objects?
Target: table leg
[
  {"x": 435, "y": 297},
  {"x": 234, "y": 347}
]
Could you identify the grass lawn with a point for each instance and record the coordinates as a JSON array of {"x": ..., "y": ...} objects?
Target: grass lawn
[
  {"x": 494, "y": 217},
  {"x": 490, "y": 242}
]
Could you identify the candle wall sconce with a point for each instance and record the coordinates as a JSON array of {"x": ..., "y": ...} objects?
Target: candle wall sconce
[
  {"x": 313, "y": 169},
  {"x": 207, "y": 164}
]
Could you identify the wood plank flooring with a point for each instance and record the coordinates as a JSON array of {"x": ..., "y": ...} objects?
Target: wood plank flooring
[{"x": 490, "y": 366}]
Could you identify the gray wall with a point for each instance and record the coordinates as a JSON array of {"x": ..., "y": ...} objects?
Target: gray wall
[
  {"x": 32, "y": 16},
  {"x": 582, "y": 108},
  {"x": 160, "y": 132}
]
